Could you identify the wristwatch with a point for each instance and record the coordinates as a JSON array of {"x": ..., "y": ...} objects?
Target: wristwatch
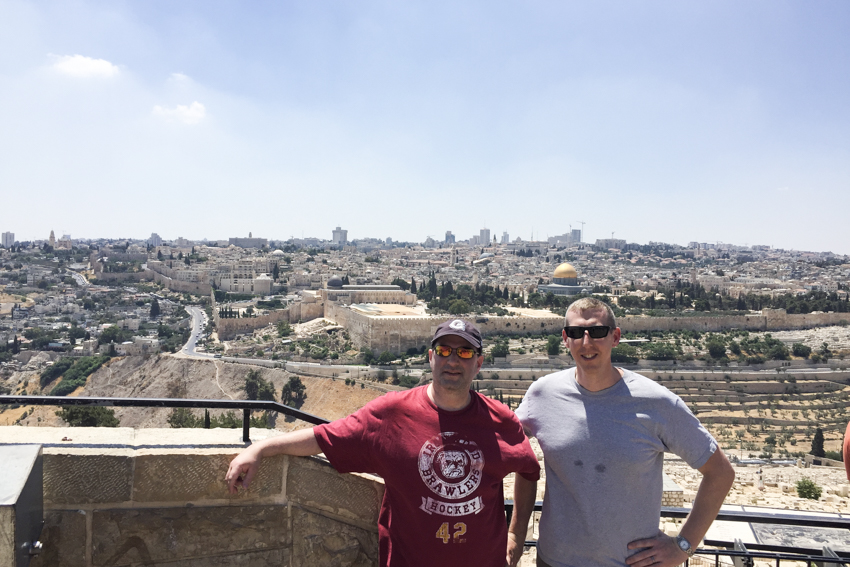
[{"x": 685, "y": 545}]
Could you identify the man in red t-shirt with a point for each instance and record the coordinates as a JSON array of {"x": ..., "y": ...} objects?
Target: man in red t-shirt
[{"x": 442, "y": 450}]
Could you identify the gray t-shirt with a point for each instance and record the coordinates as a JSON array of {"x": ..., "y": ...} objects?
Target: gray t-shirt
[{"x": 604, "y": 454}]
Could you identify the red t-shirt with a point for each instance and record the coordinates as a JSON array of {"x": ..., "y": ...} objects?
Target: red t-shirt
[{"x": 443, "y": 470}]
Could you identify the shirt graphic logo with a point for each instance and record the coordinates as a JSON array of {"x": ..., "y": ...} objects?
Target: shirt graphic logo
[{"x": 450, "y": 466}]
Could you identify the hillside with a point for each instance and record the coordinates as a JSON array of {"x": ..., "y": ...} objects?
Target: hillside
[{"x": 166, "y": 376}]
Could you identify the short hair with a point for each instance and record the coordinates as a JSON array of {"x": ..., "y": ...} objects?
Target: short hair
[{"x": 591, "y": 304}]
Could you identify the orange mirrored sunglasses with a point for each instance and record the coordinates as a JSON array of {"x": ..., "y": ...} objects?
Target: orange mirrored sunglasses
[{"x": 463, "y": 352}]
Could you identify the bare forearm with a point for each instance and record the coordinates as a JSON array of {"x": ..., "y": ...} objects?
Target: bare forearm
[
  {"x": 718, "y": 476},
  {"x": 525, "y": 494},
  {"x": 298, "y": 443}
]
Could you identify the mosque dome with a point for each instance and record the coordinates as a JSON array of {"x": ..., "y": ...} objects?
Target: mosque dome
[
  {"x": 335, "y": 281},
  {"x": 277, "y": 253},
  {"x": 565, "y": 270}
]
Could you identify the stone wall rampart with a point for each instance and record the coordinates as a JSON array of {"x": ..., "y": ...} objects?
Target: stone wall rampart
[{"x": 157, "y": 497}]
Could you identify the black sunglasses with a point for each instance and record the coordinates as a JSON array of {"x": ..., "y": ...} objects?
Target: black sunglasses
[{"x": 595, "y": 332}]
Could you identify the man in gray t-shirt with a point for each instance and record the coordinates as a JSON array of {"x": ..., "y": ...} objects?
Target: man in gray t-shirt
[{"x": 604, "y": 432}]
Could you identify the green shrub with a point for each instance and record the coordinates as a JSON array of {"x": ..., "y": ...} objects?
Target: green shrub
[
  {"x": 88, "y": 416},
  {"x": 76, "y": 375},
  {"x": 408, "y": 381},
  {"x": 806, "y": 488},
  {"x": 53, "y": 372}
]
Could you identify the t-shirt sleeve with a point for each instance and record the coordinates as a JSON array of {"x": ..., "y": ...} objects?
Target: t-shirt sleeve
[
  {"x": 686, "y": 437},
  {"x": 525, "y": 461},
  {"x": 523, "y": 412},
  {"x": 347, "y": 442}
]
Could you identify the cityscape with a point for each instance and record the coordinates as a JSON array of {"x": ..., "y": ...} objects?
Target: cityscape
[{"x": 342, "y": 240}]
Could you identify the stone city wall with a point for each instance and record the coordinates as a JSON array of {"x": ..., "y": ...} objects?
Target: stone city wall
[
  {"x": 157, "y": 497},
  {"x": 181, "y": 286},
  {"x": 102, "y": 276},
  {"x": 295, "y": 313},
  {"x": 164, "y": 275},
  {"x": 397, "y": 334},
  {"x": 770, "y": 320}
]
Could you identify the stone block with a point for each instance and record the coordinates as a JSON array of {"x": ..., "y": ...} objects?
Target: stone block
[
  {"x": 7, "y": 536},
  {"x": 318, "y": 485},
  {"x": 192, "y": 477},
  {"x": 322, "y": 542},
  {"x": 191, "y": 536},
  {"x": 64, "y": 539},
  {"x": 87, "y": 478}
]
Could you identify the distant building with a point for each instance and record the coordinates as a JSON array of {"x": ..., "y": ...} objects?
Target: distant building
[
  {"x": 65, "y": 242},
  {"x": 565, "y": 282},
  {"x": 340, "y": 236},
  {"x": 484, "y": 237},
  {"x": 608, "y": 243},
  {"x": 184, "y": 243},
  {"x": 450, "y": 238},
  {"x": 52, "y": 240},
  {"x": 8, "y": 239},
  {"x": 505, "y": 238},
  {"x": 249, "y": 242},
  {"x": 155, "y": 240}
]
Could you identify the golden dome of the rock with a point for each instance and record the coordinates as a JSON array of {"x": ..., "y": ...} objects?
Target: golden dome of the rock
[{"x": 565, "y": 270}]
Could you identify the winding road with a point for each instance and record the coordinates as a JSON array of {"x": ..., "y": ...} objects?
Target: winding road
[{"x": 199, "y": 321}]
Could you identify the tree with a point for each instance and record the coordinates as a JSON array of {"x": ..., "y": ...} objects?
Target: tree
[
  {"x": 155, "y": 309},
  {"x": 553, "y": 345},
  {"x": 716, "y": 349},
  {"x": 500, "y": 349},
  {"x": 284, "y": 329},
  {"x": 459, "y": 307},
  {"x": 806, "y": 488},
  {"x": 817, "y": 444},
  {"x": 293, "y": 393},
  {"x": 85, "y": 416},
  {"x": 801, "y": 350},
  {"x": 183, "y": 418},
  {"x": 257, "y": 388},
  {"x": 276, "y": 272},
  {"x": 412, "y": 285}
]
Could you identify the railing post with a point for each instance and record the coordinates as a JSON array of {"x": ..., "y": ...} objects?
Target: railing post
[
  {"x": 246, "y": 425},
  {"x": 827, "y": 552},
  {"x": 742, "y": 561}
]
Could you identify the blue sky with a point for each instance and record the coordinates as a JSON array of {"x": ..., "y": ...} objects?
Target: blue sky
[{"x": 664, "y": 121}]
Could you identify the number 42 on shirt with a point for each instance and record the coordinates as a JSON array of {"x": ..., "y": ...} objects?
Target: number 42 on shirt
[{"x": 456, "y": 537}]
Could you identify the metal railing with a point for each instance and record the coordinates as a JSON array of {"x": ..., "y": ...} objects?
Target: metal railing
[
  {"x": 247, "y": 406},
  {"x": 744, "y": 555},
  {"x": 741, "y": 555}
]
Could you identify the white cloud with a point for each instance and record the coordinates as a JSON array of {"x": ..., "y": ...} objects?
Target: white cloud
[
  {"x": 179, "y": 77},
  {"x": 191, "y": 114},
  {"x": 82, "y": 66}
]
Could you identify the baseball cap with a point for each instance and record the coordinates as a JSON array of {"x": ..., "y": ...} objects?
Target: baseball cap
[{"x": 463, "y": 329}]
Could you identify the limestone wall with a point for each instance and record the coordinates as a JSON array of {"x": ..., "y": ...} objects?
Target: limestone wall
[
  {"x": 299, "y": 311},
  {"x": 769, "y": 320},
  {"x": 397, "y": 334},
  {"x": 157, "y": 497}
]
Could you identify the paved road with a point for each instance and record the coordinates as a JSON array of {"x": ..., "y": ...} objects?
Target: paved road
[
  {"x": 199, "y": 321},
  {"x": 81, "y": 281}
]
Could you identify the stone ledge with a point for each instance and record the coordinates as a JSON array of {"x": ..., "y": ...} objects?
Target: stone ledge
[{"x": 314, "y": 484}]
